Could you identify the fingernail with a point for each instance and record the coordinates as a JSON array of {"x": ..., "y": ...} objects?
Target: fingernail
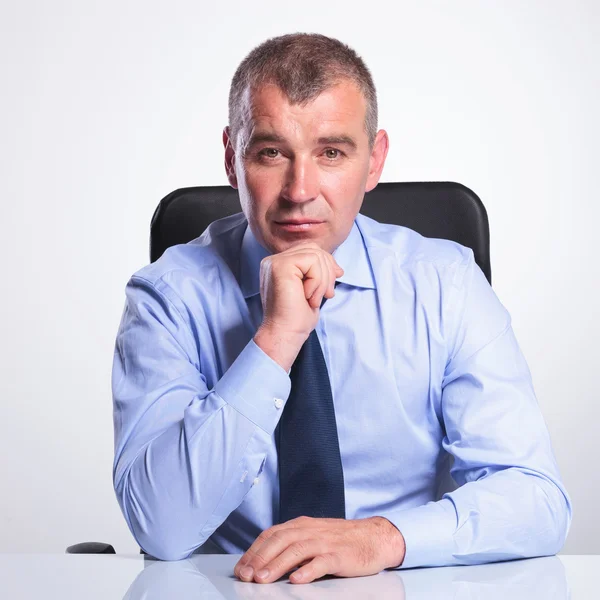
[
  {"x": 263, "y": 574},
  {"x": 297, "y": 576},
  {"x": 247, "y": 572}
]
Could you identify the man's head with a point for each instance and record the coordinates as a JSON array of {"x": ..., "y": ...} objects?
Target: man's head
[{"x": 302, "y": 142}]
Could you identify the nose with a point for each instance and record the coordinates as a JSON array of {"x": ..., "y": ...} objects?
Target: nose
[{"x": 302, "y": 180}]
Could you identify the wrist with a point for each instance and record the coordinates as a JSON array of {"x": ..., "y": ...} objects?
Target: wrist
[
  {"x": 395, "y": 545},
  {"x": 282, "y": 347}
]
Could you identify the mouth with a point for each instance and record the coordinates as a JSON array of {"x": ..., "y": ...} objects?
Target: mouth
[{"x": 298, "y": 225}]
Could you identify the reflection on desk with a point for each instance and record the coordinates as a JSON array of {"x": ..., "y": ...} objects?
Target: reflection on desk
[
  {"x": 208, "y": 576},
  {"x": 211, "y": 577}
]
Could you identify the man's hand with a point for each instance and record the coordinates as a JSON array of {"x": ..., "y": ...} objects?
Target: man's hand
[
  {"x": 292, "y": 286},
  {"x": 346, "y": 548}
]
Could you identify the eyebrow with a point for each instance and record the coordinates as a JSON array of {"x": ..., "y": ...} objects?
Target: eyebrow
[
  {"x": 273, "y": 137},
  {"x": 338, "y": 139},
  {"x": 257, "y": 138}
]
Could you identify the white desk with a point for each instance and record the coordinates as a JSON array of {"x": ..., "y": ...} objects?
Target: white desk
[{"x": 131, "y": 577}]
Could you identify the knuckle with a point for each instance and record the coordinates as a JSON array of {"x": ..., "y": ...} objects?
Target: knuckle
[
  {"x": 258, "y": 561},
  {"x": 277, "y": 536},
  {"x": 330, "y": 559},
  {"x": 298, "y": 549},
  {"x": 262, "y": 537},
  {"x": 260, "y": 556},
  {"x": 302, "y": 519}
]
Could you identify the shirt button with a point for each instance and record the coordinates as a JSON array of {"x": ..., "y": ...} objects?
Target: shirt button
[
  {"x": 255, "y": 480},
  {"x": 278, "y": 402}
]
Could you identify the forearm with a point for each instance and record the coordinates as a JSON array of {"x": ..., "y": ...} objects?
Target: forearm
[
  {"x": 177, "y": 488},
  {"x": 510, "y": 514}
]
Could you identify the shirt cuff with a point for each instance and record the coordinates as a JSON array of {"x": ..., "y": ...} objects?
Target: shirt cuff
[
  {"x": 428, "y": 532},
  {"x": 256, "y": 386}
]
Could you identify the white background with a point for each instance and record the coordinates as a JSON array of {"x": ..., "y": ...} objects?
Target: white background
[{"x": 106, "y": 107}]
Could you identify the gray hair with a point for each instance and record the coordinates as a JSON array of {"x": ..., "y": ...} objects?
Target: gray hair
[{"x": 302, "y": 66}]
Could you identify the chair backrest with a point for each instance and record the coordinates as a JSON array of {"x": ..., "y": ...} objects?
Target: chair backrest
[{"x": 434, "y": 209}]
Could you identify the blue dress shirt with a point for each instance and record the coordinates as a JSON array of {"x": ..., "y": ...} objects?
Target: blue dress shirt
[{"x": 427, "y": 380}]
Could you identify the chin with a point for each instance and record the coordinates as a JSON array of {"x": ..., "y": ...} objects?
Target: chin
[{"x": 282, "y": 240}]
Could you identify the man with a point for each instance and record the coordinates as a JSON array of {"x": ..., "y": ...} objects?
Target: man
[{"x": 222, "y": 443}]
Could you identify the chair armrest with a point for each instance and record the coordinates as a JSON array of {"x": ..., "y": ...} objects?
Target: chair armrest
[{"x": 91, "y": 548}]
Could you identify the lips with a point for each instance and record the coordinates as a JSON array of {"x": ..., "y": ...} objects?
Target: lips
[
  {"x": 298, "y": 226},
  {"x": 298, "y": 222}
]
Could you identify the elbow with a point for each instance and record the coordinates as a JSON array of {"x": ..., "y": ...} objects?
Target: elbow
[
  {"x": 164, "y": 549},
  {"x": 159, "y": 532},
  {"x": 160, "y": 543},
  {"x": 555, "y": 504}
]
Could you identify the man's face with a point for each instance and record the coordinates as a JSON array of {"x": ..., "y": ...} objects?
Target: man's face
[{"x": 302, "y": 171}]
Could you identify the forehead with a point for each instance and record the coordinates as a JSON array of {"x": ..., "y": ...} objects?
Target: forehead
[{"x": 341, "y": 106}]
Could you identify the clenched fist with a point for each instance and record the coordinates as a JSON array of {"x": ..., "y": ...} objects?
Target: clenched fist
[{"x": 292, "y": 285}]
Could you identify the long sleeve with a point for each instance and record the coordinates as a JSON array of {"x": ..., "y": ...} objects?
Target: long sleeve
[
  {"x": 185, "y": 455},
  {"x": 511, "y": 502}
]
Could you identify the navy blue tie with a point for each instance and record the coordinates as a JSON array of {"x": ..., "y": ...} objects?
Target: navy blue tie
[{"x": 311, "y": 479}]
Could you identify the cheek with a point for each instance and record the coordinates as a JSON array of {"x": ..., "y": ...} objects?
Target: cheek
[
  {"x": 260, "y": 189},
  {"x": 344, "y": 191},
  {"x": 265, "y": 182}
]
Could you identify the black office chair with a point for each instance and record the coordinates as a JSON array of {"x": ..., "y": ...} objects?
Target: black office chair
[{"x": 435, "y": 209}]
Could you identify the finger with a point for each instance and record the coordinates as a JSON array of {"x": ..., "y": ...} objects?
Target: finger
[
  {"x": 321, "y": 565},
  {"x": 297, "y": 523},
  {"x": 338, "y": 270},
  {"x": 301, "y": 246},
  {"x": 251, "y": 552},
  {"x": 292, "y": 556},
  {"x": 327, "y": 276},
  {"x": 272, "y": 547},
  {"x": 323, "y": 284},
  {"x": 311, "y": 272},
  {"x": 312, "y": 282},
  {"x": 332, "y": 275},
  {"x": 305, "y": 522}
]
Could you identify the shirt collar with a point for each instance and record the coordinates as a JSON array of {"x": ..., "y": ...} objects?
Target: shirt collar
[{"x": 351, "y": 255}]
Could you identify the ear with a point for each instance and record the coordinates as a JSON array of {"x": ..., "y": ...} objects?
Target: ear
[
  {"x": 377, "y": 160},
  {"x": 229, "y": 158}
]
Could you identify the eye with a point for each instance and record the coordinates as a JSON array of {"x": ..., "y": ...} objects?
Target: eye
[
  {"x": 269, "y": 152},
  {"x": 332, "y": 153}
]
